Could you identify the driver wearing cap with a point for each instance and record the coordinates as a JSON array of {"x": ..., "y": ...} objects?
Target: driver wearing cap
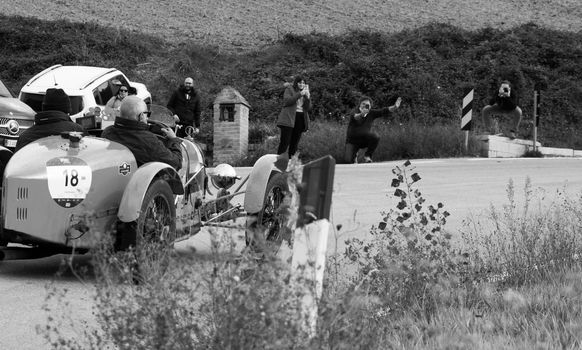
[
  {"x": 53, "y": 119},
  {"x": 131, "y": 130}
]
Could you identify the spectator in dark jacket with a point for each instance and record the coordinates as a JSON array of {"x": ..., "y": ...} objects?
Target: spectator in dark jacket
[
  {"x": 185, "y": 104},
  {"x": 131, "y": 130},
  {"x": 52, "y": 120},
  {"x": 503, "y": 103},
  {"x": 360, "y": 134}
]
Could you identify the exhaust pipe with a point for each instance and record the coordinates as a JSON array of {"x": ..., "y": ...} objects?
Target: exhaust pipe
[{"x": 21, "y": 253}]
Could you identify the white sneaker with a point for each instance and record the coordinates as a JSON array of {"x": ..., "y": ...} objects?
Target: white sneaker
[{"x": 367, "y": 159}]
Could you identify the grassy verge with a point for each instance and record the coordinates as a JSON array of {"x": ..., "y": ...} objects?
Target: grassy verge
[{"x": 515, "y": 283}]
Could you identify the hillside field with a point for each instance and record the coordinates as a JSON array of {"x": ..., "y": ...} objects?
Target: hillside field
[{"x": 247, "y": 25}]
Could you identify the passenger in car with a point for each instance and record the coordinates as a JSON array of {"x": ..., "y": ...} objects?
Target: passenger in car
[
  {"x": 115, "y": 101},
  {"x": 52, "y": 120},
  {"x": 131, "y": 129}
]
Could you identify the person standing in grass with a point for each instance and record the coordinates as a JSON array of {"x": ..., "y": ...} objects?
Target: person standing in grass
[
  {"x": 360, "y": 134},
  {"x": 503, "y": 103},
  {"x": 293, "y": 120}
]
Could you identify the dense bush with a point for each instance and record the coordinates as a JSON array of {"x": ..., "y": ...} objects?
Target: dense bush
[{"x": 430, "y": 67}]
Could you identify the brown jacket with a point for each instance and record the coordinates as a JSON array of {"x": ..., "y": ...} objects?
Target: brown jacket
[{"x": 287, "y": 114}]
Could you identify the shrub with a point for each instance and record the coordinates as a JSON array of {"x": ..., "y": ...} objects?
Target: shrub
[
  {"x": 407, "y": 286},
  {"x": 429, "y": 66}
]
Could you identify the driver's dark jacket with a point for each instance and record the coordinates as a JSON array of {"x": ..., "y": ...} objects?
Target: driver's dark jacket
[
  {"x": 145, "y": 145},
  {"x": 47, "y": 123}
]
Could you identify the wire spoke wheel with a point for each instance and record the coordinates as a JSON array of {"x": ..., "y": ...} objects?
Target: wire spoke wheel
[
  {"x": 268, "y": 228},
  {"x": 156, "y": 230},
  {"x": 157, "y": 219},
  {"x": 271, "y": 218}
]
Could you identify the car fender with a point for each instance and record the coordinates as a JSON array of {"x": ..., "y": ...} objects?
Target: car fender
[
  {"x": 135, "y": 191},
  {"x": 259, "y": 178}
]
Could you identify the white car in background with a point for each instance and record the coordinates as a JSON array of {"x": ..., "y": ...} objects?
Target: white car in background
[{"x": 87, "y": 87}]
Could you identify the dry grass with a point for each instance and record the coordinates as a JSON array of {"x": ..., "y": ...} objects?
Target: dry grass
[{"x": 242, "y": 25}]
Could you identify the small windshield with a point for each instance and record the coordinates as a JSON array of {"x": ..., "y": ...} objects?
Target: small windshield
[{"x": 162, "y": 114}]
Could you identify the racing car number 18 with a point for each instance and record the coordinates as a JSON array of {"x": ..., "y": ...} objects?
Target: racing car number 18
[{"x": 69, "y": 180}]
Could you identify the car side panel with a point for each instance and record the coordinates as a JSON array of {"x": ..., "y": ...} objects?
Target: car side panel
[{"x": 33, "y": 207}]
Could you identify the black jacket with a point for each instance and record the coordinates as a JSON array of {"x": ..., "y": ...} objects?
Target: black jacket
[
  {"x": 47, "y": 123},
  {"x": 145, "y": 145},
  {"x": 185, "y": 107},
  {"x": 361, "y": 126},
  {"x": 506, "y": 104}
]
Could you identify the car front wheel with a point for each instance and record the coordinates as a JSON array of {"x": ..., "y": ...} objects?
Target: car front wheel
[{"x": 268, "y": 229}]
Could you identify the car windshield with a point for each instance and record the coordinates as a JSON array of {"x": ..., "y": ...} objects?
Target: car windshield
[
  {"x": 35, "y": 102},
  {"x": 4, "y": 92}
]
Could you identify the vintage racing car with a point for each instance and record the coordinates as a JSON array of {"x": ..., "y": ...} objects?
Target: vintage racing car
[{"x": 64, "y": 192}]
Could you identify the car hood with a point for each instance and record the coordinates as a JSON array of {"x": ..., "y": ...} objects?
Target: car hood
[{"x": 11, "y": 105}]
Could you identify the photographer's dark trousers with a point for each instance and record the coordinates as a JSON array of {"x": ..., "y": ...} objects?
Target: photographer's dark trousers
[
  {"x": 369, "y": 141},
  {"x": 493, "y": 110},
  {"x": 290, "y": 136}
]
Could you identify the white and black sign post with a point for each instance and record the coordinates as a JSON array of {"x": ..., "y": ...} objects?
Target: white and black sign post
[
  {"x": 536, "y": 121},
  {"x": 466, "y": 115},
  {"x": 310, "y": 236}
]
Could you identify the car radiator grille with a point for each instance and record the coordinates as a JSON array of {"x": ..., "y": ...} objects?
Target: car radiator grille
[{"x": 24, "y": 124}]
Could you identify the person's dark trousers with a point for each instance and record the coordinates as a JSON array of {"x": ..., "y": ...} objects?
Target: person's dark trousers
[
  {"x": 290, "y": 136},
  {"x": 369, "y": 141}
]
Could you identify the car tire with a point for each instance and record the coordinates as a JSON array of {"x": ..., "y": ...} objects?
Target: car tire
[
  {"x": 154, "y": 232},
  {"x": 157, "y": 219},
  {"x": 267, "y": 229}
]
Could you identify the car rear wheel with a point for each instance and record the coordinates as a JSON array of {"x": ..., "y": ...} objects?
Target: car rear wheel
[
  {"x": 157, "y": 219},
  {"x": 267, "y": 229},
  {"x": 153, "y": 234}
]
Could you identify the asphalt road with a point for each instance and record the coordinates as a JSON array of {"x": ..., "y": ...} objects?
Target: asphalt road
[{"x": 465, "y": 187}]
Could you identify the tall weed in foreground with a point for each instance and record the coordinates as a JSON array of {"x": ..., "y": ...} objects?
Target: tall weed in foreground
[
  {"x": 527, "y": 243},
  {"x": 410, "y": 252},
  {"x": 406, "y": 287}
]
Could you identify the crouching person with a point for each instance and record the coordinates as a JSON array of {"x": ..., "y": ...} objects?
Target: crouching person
[
  {"x": 503, "y": 103},
  {"x": 360, "y": 134}
]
